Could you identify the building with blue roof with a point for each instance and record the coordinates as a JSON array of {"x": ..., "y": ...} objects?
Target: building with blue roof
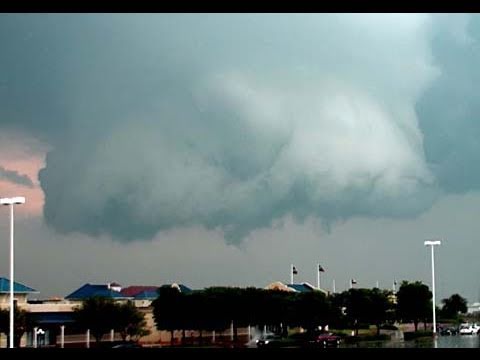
[
  {"x": 141, "y": 295},
  {"x": 20, "y": 292},
  {"x": 144, "y": 295},
  {"x": 147, "y": 295},
  {"x": 304, "y": 287},
  {"x": 111, "y": 291}
]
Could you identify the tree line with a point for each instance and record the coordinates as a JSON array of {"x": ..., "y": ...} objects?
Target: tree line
[{"x": 219, "y": 308}]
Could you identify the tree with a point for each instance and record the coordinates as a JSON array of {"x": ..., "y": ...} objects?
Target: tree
[
  {"x": 413, "y": 302},
  {"x": 358, "y": 307},
  {"x": 195, "y": 314},
  {"x": 277, "y": 309},
  {"x": 98, "y": 314},
  {"x": 130, "y": 322},
  {"x": 453, "y": 305},
  {"x": 167, "y": 309},
  {"x": 338, "y": 316},
  {"x": 21, "y": 324},
  {"x": 311, "y": 310},
  {"x": 378, "y": 307},
  {"x": 229, "y": 306},
  {"x": 251, "y": 303}
]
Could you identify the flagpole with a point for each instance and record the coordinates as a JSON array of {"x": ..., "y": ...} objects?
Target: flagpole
[
  {"x": 291, "y": 273},
  {"x": 318, "y": 276}
]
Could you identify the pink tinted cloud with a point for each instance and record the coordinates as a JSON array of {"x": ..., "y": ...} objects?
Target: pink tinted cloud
[{"x": 19, "y": 156}]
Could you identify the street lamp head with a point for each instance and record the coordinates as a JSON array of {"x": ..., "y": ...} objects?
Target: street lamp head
[
  {"x": 11, "y": 201},
  {"x": 18, "y": 200},
  {"x": 432, "y": 242},
  {"x": 5, "y": 201}
]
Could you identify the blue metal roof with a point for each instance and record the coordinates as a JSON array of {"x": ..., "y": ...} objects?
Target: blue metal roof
[
  {"x": 17, "y": 287},
  {"x": 147, "y": 295},
  {"x": 88, "y": 291},
  {"x": 184, "y": 289},
  {"x": 300, "y": 287}
]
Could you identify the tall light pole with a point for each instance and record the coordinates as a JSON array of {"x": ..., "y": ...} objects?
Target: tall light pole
[
  {"x": 319, "y": 270},
  {"x": 432, "y": 244},
  {"x": 11, "y": 202},
  {"x": 293, "y": 271}
]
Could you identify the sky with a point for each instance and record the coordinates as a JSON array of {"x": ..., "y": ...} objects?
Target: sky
[{"x": 218, "y": 149}]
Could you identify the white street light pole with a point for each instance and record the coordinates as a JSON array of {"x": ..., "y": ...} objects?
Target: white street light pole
[
  {"x": 433, "y": 243},
  {"x": 10, "y": 202}
]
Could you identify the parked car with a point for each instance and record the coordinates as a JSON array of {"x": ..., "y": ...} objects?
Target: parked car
[
  {"x": 467, "y": 329},
  {"x": 270, "y": 340},
  {"x": 327, "y": 340},
  {"x": 448, "y": 331}
]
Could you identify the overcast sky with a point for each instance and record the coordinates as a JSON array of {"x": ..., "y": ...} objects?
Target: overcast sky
[{"x": 219, "y": 149}]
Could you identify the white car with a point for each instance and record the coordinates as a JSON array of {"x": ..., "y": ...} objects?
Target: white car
[{"x": 469, "y": 329}]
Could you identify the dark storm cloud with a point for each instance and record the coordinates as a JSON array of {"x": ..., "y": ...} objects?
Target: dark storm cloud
[
  {"x": 449, "y": 111},
  {"x": 14, "y": 177},
  {"x": 229, "y": 121}
]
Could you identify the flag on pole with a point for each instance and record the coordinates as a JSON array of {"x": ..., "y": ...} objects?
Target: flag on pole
[
  {"x": 320, "y": 268},
  {"x": 294, "y": 270}
]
